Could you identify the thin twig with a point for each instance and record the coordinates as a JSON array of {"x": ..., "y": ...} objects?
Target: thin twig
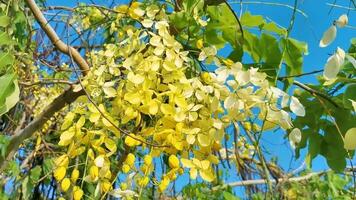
[
  {"x": 300, "y": 75},
  {"x": 312, "y": 91},
  {"x": 271, "y": 4}
]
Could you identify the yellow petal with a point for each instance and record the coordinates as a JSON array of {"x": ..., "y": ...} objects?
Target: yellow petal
[
  {"x": 131, "y": 140},
  {"x": 75, "y": 175},
  {"x": 134, "y": 98},
  {"x": 200, "y": 44},
  {"x": 59, "y": 173},
  {"x": 94, "y": 117},
  {"x": 190, "y": 139},
  {"x": 193, "y": 173},
  {"x": 65, "y": 184},
  {"x": 173, "y": 162},
  {"x": 130, "y": 159},
  {"x": 167, "y": 109},
  {"x": 295, "y": 136},
  {"x": 80, "y": 123},
  {"x": 94, "y": 172},
  {"x": 204, "y": 140},
  {"x": 147, "y": 159},
  {"x": 62, "y": 161},
  {"x": 135, "y": 78},
  {"x": 205, "y": 164},
  {"x": 77, "y": 193},
  {"x": 68, "y": 121},
  {"x": 110, "y": 92},
  {"x": 207, "y": 175},
  {"x": 153, "y": 107},
  {"x": 187, "y": 163}
]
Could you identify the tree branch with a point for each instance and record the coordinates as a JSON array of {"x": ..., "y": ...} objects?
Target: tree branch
[
  {"x": 60, "y": 102},
  {"x": 67, "y": 97},
  {"x": 52, "y": 35}
]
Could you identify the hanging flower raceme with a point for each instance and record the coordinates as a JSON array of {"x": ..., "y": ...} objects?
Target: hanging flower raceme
[{"x": 142, "y": 93}]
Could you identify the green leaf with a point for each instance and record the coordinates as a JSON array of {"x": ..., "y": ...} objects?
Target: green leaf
[
  {"x": 190, "y": 5},
  {"x": 213, "y": 38},
  {"x": 251, "y": 20},
  {"x": 224, "y": 21},
  {"x": 229, "y": 196},
  {"x": 27, "y": 188},
  {"x": 35, "y": 174},
  {"x": 271, "y": 54},
  {"x": 258, "y": 21},
  {"x": 252, "y": 46},
  {"x": 350, "y": 139},
  {"x": 9, "y": 93},
  {"x": 4, "y": 142},
  {"x": 5, "y": 39},
  {"x": 4, "y": 21},
  {"x": 333, "y": 149},
  {"x": 5, "y": 59},
  {"x": 179, "y": 19},
  {"x": 350, "y": 93},
  {"x": 272, "y": 27},
  {"x": 293, "y": 56}
]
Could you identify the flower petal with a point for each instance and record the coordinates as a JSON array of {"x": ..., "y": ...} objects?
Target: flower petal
[
  {"x": 328, "y": 36},
  {"x": 342, "y": 21},
  {"x": 295, "y": 136},
  {"x": 296, "y": 107}
]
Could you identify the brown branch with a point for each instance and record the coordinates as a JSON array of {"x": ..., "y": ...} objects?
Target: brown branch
[
  {"x": 60, "y": 102},
  {"x": 52, "y": 35},
  {"x": 46, "y": 82}
]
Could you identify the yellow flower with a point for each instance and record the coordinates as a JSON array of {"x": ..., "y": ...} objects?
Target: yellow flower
[
  {"x": 164, "y": 184},
  {"x": 143, "y": 181},
  {"x": 200, "y": 43},
  {"x": 65, "y": 184},
  {"x": 173, "y": 162},
  {"x": 62, "y": 161},
  {"x": 147, "y": 160},
  {"x": 131, "y": 140},
  {"x": 130, "y": 159},
  {"x": 205, "y": 76},
  {"x": 122, "y": 9},
  {"x": 59, "y": 173},
  {"x": 125, "y": 168},
  {"x": 201, "y": 166},
  {"x": 228, "y": 62},
  {"x": 106, "y": 186},
  {"x": 94, "y": 172},
  {"x": 75, "y": 175},
  {"x": 77, "y": 193},
  {"x": 123, "y": 186}
]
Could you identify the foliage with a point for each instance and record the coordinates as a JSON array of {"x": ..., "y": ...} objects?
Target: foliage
[{"x": 160, "y": 103}]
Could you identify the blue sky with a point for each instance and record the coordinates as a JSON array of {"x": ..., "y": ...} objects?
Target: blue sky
[{"x": 308, "y": 29}]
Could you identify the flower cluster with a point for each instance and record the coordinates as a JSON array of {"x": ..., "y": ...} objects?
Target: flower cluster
[{"x": 143, "y": 90}]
